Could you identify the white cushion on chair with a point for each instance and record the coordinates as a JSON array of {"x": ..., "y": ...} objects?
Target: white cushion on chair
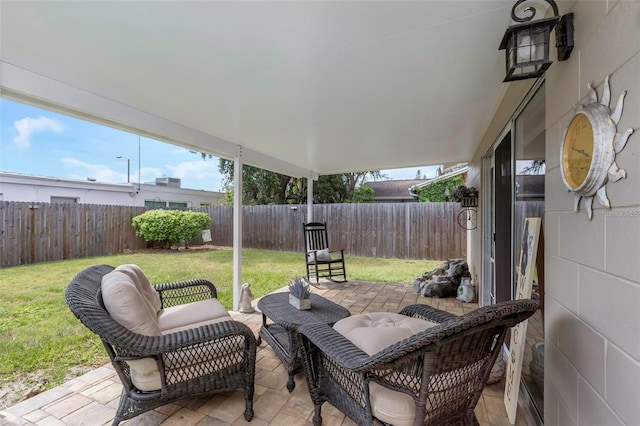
[
  {"x": 321, "y": 255},
  {"x": 372, "y": 333},
  {"x": 196, "y": 325},
  {"x": 127, "y": 305},
  {"x": 142, "y": 282},
  {"x": 392, "y": 407},
  {"x": 179, "y": 316},
  {"x": 375, "y": 331},
  {"x": 129, "y": 298}
]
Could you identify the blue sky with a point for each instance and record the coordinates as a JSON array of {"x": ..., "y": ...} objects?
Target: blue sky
[{"x": 40, "y": 142}]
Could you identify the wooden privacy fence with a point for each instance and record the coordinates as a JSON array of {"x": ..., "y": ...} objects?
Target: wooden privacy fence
[
  {"x": 42, "y": 232},
  {"x": 387, "y": 230},
  {"x": 39, "y": 232}
]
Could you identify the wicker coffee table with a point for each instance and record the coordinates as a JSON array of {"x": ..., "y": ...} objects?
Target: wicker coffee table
[{"x": 282, "y": 333}]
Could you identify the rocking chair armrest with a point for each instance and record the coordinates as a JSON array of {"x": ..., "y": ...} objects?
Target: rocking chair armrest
[
  {"x": 180, "y": 292},
  {"x": 428, "y": 313},
  {"x": 148, "y": 346}
]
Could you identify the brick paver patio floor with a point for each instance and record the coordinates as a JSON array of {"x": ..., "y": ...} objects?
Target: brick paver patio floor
[{"x": 92, "y": 399}]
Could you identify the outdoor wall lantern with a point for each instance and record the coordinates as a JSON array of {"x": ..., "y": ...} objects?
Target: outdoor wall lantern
[{"x": 527, "y": 43}]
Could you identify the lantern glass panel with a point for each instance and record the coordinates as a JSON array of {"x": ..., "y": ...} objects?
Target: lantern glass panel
[{"x": 533, "y": 45}]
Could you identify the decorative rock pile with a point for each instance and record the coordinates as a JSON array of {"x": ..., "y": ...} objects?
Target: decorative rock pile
[{"x": 444, "y": 280}]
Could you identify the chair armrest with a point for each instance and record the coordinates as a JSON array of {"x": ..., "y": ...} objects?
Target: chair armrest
[
  {"x": 428, "y": 313},
  {"x": 181, "y": 292},
  {"x": 187, "y": 354},
  {"x": 140, "y": 346},
  {"x": 349, "y": 357},
  {"x": 334, "y": 345},
  {"x": 341, "y": 251}
]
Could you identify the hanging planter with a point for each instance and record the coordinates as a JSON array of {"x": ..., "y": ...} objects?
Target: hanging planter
[{"x": 467, "y": 197}]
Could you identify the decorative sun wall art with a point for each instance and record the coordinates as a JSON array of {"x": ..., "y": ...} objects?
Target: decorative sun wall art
[{"x": 589, "y": 147}]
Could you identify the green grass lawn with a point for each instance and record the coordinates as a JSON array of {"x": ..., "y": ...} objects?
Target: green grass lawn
[{"x": 41, "y": 339}]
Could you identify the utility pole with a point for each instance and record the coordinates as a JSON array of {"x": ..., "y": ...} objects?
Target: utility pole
[{"x": 120, "y": 157}]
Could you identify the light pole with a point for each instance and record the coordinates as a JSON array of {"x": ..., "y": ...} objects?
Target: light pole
[{"x": 120, "y": 157}]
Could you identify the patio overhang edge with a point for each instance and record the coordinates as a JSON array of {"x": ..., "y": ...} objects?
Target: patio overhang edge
[{"x": 35, "y": 89}]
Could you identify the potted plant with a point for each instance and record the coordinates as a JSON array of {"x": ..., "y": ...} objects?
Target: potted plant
[{"x": 299, "y": 294}]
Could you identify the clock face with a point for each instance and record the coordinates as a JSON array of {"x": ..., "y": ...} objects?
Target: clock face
[{"x": 577, "y": 152}]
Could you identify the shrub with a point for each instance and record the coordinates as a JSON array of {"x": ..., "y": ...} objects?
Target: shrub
[{"x": 170, "y": 226}]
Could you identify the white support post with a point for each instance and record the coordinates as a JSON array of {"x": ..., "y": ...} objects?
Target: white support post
[
  {"x": 310, "y": 180},
  {"x": 237, "y": 228}
]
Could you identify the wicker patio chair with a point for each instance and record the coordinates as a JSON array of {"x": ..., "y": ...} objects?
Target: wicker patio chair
[
  {"x": 216, "y": 357},
  {"x": 321, "y": 261},
  {"x": 439, "y": 373}
]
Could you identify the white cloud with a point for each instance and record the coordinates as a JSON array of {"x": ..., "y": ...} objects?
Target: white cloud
[
  {"x": 149, "y": 174},
  {"x": 99, "y": 172},
  {"x": 27, "y": 126},
  {"x": 194, "y": 175},
  {"x": 197, "y": 174},
  {"x": 194, "y": 169},
  {"x": 183, "y": 151}
]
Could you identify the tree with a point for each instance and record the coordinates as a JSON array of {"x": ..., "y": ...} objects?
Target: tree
[
  {"x": 259, "y": 186},
  {"x": 330, "y": 189},
  {"x": 262, "y": 187},
  {"x": 536, "y": 167},
  {"x": 358, "y": 178},
  {"x": 363, "y": 194}
]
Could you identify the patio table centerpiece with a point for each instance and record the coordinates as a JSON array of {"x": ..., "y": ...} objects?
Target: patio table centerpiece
[{"x": 299, "y": 294}]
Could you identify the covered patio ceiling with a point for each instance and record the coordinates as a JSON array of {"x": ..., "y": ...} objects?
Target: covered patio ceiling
[{"x": 305, "y": 88}]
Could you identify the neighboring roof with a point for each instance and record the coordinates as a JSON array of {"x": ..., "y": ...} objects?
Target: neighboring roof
[
  {"x": 458, "y": 169},
  {"x": 393, "y": 189},
  {"x": 18, "y": 187},
  {"x": 29, "y": 179}
]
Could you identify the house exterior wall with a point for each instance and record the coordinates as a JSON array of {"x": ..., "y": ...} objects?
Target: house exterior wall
[
  {"x": 592, "y": 274},
  {"x": 17, "y": 187},
  {"x": 592, "y": 324}
]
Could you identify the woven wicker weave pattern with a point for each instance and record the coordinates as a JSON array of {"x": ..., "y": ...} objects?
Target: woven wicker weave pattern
[
  {"x": 213, "y": 358},
  {"x": 444, "y": 368},
  {"x": 282, "y": 336}
]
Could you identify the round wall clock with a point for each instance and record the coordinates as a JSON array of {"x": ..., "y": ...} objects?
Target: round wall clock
[{"x": 589, "y": 146}]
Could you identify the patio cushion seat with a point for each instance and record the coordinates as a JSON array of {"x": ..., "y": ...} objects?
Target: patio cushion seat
[
  {"x": 190, "y": 314},
  {"x": 372, "y": 333},
  {"x": 146, "y": 376},
  {"x": 375, "y": 331},
  {"x": 226, "y": 317}
]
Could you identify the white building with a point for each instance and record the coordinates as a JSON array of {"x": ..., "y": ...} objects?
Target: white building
[{"x": 166, "y": 192}]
